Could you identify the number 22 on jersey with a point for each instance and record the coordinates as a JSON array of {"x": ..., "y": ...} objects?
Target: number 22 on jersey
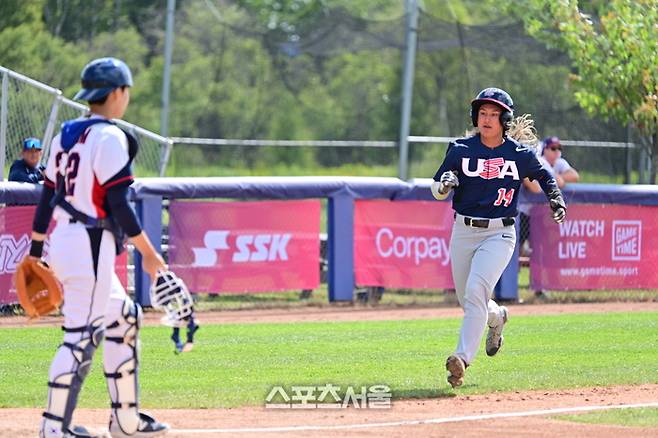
[
  {"x": 70, "y": 172},
  {"x": 504, "y": 196}
]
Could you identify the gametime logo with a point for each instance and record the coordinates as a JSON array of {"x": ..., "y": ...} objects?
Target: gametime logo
[
  {"x": 626, "y": 240},
  {"x": 248, "y": 248}
]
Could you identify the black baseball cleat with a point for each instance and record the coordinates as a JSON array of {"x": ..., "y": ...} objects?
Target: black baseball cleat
[{"x": 148, "y": 427}]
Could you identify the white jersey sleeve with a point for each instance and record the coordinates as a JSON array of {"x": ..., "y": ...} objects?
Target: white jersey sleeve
[
  {"x": 50, "y": 172},
  {"x": 561, "y": 166},
  {"x": 111, "y": 154}
]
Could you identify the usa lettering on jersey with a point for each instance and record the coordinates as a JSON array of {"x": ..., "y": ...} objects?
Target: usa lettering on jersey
[{"x": 491, "y": 168}]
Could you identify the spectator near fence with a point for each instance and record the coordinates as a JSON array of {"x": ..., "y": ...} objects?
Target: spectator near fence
[
  {"x": 551, "y": 156},
  {"x": 27, "y": 168}
]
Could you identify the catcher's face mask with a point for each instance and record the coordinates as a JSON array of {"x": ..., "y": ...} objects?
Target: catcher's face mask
[{"x": 170, "y": 294}]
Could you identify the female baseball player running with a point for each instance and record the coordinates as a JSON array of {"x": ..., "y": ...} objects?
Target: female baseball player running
[
  {"x": 85, "y": 190},
  {"x": 485, "y": 171}
]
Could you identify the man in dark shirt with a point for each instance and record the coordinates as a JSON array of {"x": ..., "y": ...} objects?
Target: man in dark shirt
[{"x": 28, "y": 169}]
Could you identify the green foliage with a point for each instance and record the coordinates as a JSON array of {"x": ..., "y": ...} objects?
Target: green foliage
[
  {"x": 32, "y": 51},
  {"x": 615, "y": 52},
  {"x": 227, "y": 367},
  {"x": 262, "y": 69}
]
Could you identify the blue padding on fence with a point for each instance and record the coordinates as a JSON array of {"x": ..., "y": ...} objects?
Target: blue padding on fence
[
  {"x": 269, "y": 187},
  {"x": 635, "y": 194},
  {"x": 340, "y": 248},
  {"x": 19, "y": 193},
  {"x": 149, "y": 211}
]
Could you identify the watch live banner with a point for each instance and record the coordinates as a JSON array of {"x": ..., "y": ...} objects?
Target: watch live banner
[
  {"x": 597, "y": 247},
  {"x": 403, "y": 244},
  {"x": 258, "y": 246},
  {"x": 15, "y": 238}
]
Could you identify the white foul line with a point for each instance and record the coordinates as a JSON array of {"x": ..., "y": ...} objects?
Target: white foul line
[{"x": 418, "y": 422}]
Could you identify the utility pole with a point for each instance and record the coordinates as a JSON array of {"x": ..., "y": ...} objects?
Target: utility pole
[
  {"x": 166, "y": 79},
  {"x": 411, "y": 13}
]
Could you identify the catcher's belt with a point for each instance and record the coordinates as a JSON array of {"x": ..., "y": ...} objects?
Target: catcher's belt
[{"x": 39, "y": 292}]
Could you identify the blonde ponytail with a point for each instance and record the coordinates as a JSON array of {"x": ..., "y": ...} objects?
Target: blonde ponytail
[{"x": 522, "y": 129}]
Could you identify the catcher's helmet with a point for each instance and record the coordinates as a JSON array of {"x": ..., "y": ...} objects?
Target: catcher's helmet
[
  {"x": 101, "y": 76},
  {"x": 497, "y": 97}
]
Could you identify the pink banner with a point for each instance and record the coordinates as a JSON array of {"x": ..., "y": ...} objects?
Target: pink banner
[
  {"x": 246, "y": 246},
  {"x": 597, "y": 247},
  {"x": 403, "y": 244},
  {"x": 15, "y": 232},
  {"x": 16, "y": 226}
]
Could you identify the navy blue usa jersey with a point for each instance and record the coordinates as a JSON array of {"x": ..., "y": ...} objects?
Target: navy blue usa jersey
[{"x": 490, "y": 178}]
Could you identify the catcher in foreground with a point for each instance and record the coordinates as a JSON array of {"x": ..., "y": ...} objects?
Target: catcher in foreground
[{"x": 85, "y": 191}]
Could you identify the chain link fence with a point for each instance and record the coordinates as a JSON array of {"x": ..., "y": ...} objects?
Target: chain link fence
[{"x": 29, "y": 108}]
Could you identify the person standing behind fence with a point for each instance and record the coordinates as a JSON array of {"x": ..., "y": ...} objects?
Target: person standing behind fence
[
  {"x": 85, "y": 190},
  {"x": 551, "y": 152},
  {"x": 27, "y": 168},
  {"x": 485, "y": 170}
]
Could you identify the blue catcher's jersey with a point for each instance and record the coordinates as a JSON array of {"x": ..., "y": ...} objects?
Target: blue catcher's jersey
[{"x": 489, "y": 179}]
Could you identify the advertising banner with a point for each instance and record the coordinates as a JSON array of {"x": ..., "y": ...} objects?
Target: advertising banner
[
  {"x": 597, "y": 247},
  {"x": 15, "y": 238},
  {"x": 259, "y": 246},
  {"x": 403, "y": 244}
]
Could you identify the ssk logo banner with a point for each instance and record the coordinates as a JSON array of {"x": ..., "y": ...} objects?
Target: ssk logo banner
[
  {"x": 15, "y": 240},
  {"x": 402, "y": 244},
  {"x": 246, "y": 246}
]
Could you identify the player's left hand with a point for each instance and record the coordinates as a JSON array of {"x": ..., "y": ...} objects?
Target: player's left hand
[{"x": 559, "y": 210}]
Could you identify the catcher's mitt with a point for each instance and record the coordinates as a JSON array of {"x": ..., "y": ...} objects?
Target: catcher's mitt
[{"x": 38, "y": 290}]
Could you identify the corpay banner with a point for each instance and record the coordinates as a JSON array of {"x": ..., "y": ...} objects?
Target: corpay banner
[
  {"x": 246, "y": 246},
  {"x": 403, "y": 244}
]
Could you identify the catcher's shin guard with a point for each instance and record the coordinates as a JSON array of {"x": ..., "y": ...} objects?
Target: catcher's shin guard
[
  {"x": 122, "y": 345},
  {"x": 63, "y": 390}
]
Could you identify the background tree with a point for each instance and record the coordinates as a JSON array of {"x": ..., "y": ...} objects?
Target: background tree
[{"x": 615, "y": 52}]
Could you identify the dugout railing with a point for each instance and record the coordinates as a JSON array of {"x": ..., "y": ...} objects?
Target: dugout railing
[{"x": 149, "y": 194}]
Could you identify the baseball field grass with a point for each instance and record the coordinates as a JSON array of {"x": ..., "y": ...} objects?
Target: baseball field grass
[
  {"x": 238, "y": 364},
  {"x": 640, "y": 417}
]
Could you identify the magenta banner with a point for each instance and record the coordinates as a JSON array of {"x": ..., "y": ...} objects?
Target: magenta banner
[
  {"x": 16, "y": 226},
  {"x": 597, "y": 247},
  {"x": 15, "y": 232},
  {"x": 403, "y": 244},
  {"x": 245, "y": 246}
]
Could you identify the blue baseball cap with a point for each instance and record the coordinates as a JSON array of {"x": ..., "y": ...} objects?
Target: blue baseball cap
[
  {"x": 101, "y": 76},
  {"x": 31, "y": 143}
]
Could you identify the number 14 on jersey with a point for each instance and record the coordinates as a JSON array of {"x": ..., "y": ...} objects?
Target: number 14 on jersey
[{"x": 504, "y": 196}]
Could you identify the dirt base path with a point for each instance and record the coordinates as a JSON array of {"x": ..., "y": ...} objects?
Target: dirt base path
[{"x": 517, "y": 414}]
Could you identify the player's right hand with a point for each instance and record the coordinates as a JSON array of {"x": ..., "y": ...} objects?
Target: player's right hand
[
  {"x": 152, "y": 263},
  {"x": 448, "y": 181}
]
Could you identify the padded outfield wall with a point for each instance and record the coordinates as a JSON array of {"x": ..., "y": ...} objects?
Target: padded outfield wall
[{"x": 255, "y": 234}]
